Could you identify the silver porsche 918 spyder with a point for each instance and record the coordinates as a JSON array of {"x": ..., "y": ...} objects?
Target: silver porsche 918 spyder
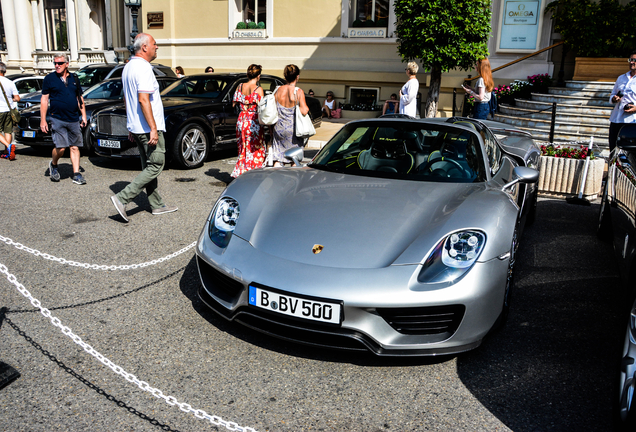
[{"x": 399, "y": 237}]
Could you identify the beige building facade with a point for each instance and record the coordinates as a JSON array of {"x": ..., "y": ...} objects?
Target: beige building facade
[{"x": 346, "y": 46}]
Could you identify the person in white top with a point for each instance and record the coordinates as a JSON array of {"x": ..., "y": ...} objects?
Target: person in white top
[
  {"x": 6, "y": 123},
  {"x": 408, "y": 94},
  {"x": 483, "y": 89},
  {"x": 329, "y": 105},
  {"x": 146, "y": 124},
  {"x": 623, "y": 95}
]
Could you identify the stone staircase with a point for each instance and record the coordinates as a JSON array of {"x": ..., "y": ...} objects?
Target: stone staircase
[{"x": 583, "y": 111}]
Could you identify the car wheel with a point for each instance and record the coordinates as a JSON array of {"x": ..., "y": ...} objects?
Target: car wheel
[
  {"x": 191, "y": 147},
  {"x": 626, "y": 415},
  {"x": 532, "y": 212},
  {"x": 87, "y": 148},
  {"x": 604, "y": 226},
  {"x": 503, "y": 316}
]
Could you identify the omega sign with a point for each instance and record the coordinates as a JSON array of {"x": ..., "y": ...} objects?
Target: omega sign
[
  {"x": 368, "y": 32},
  {"x": 521, "y": 12}
]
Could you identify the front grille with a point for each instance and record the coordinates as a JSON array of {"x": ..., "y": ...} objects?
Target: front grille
[
  {"x": 434, "y": 320},
  {"x": 23, "y": 122},
  {"x": 34, "y": 122},
  {"x": 219, "y": 284},
  {"x": 110, "y": 124}
]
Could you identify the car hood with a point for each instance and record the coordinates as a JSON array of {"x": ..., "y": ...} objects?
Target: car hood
[{"x": 363, "y": 222}]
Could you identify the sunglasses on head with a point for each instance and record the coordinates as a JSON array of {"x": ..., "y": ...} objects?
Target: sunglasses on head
[{"x": 59, "y": 63}]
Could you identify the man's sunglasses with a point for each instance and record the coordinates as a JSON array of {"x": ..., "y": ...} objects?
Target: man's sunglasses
[
  {"x": 59, "y": 63},
  {"x": 632, "y": 60}
]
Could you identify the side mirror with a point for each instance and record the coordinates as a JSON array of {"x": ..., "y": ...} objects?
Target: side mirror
[
  {"x": 522, "y": 175},
  {"x": 626, "y": 139},
  {"x": 296, "y": 155}
]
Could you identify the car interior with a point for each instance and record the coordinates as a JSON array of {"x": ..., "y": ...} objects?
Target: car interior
[{"x": 444, "y": 154}]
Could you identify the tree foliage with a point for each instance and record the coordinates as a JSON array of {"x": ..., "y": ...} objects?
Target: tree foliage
[
  {"x": 595, "y": 28},
  {"x": 443, "y": 35}
]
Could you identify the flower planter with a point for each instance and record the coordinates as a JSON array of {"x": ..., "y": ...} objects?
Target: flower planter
[
  {"x": 561, "y": 176},
  {"x": 350, "y": 114}
]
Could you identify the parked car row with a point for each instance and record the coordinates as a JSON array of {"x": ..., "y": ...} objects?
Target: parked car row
[{"x": 198, "y": 112}]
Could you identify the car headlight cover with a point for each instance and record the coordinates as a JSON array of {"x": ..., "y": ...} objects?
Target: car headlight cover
[
  {"x": 223, "y": 221},
  {"x": 452, "y": 257}
]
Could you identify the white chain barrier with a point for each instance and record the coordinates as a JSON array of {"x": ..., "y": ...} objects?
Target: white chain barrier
[
  {"x": 170, "y": 400},
  {"x": 94, "y": 266}
]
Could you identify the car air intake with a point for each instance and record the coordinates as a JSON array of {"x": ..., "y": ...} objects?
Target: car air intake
[
  {"x": 110, "y": 124},
  {"x": 219, "y": 284},
  {"x": 433, "y": 320}
]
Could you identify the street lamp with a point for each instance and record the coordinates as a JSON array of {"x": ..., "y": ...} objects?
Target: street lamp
[{"x": 134, "y": 6}]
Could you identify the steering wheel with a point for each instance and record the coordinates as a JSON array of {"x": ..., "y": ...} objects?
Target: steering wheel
[
  {"x": 428, "y": 166},
  {"x": 449, "y": 149}
]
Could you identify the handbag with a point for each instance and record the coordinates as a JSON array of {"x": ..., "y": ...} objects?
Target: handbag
[
  {"x": 268, "y": 110},
  {"x": 15, "y": 114},
  {"x": 304, "y": 125}
]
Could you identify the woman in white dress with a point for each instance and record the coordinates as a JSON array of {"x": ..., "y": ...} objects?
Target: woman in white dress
[{"x": 408, "y": 94}]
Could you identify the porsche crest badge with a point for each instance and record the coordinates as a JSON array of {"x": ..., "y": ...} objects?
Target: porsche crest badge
[{"x": 317, "y": 248}]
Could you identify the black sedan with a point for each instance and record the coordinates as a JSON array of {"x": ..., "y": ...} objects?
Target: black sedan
[
  {"x": 104, "y": 94},
  {"x": 199, "y": 119}
]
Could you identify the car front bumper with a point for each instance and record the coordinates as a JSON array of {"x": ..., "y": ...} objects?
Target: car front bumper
[{"x": 386, "y": 310}]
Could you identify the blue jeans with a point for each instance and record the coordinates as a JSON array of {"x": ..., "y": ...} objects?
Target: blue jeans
[{"x": 481, "y": 111}]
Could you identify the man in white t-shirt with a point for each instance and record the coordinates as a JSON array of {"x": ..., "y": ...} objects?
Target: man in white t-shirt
[
  {"x": 146, "y": 125},
  {"x": 7, "y": 149}
]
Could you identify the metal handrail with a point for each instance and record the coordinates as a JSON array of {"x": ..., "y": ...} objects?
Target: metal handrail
[{"x": 518, "y": 60}]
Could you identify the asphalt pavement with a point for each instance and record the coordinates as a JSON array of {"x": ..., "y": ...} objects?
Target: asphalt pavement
[{"x": 550, "y": 368}]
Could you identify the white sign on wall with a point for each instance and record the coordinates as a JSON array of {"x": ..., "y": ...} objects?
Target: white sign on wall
[{"x": 520, "y": 25}]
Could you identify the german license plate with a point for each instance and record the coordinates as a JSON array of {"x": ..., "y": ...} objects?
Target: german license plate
[
  {"x": 315, "y": 310},
  {"x": 108, "y": 143},
  {"x": 28, "y": 134}
]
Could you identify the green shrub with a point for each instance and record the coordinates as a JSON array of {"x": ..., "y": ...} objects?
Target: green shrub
[
  {"x": 357, "y": 23},
  {"x": 369, "y": 23},
  {"x": 261, "y": 25},
  {"x": 241, "y": 26},
  {"x": 251, "y": 25}
]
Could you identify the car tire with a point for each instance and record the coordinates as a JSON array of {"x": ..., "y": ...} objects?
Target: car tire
[
  {"x": 604, "y": 226},
  {"x": 87, "y": 148},
  {"x": 503, "y": 316},
  {"x": 191, "y": 147},
  {"x": 625, "y": 411},
  {"x": 532, "y": 212}
]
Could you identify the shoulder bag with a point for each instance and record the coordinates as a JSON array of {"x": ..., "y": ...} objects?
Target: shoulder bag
[
  {"x": 15, "y": 114},
  {"x": 304, "y": 126},
  {"x": 267, "y": 109}
]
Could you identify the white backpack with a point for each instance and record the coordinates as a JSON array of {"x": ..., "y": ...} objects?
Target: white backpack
[{"x": 268, "y": 110}]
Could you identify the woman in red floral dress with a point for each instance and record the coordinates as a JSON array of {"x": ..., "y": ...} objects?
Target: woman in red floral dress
[{"x": 251, "y": 145}]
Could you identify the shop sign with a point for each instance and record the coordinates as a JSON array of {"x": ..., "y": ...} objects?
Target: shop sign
[
  {"x": 155, "y": 20},
  {"x": 520, "y": 25},
  {"x": 249, "y": 34},
  {"x": 367, "y": 32}
]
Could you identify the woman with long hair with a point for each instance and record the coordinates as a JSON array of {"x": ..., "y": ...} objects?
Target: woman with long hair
[
  {"x": 249, "y": 132},
  {"x": 483, "y": 89},
  {"x": 179, "y": 71},
  {"x": 287, "y": 97}
]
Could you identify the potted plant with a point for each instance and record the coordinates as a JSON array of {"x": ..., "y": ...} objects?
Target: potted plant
[
  {"x": 598, "y": 33},
  {"x": 561, "y": 169}
]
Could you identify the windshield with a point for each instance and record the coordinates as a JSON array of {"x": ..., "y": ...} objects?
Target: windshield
[
  {"x": 209, "y": 87},
  {"x": 105, "y": 90},
  {"x": 408, "y": 151},
  {"x": 92, "y": 75}
]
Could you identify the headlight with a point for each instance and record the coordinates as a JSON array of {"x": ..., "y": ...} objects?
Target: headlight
[
  {"x": 452, "y": 257},
  {"x": 223, "y": 221}
]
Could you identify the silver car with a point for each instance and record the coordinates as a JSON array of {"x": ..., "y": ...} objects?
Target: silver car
[{"x": 399, "y": 238}]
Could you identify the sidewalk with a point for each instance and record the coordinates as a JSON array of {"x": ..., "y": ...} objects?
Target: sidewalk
[{"x": 327, "y": 129}]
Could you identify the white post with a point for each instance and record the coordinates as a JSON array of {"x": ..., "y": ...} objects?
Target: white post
[
  {"x": 71, "y": 26},
  {"x": 42, "y": 17},
  {"x": 10, "y": 31},
  {"x": 24, "y": 30},
  {"x": 37, "y": 33}
]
